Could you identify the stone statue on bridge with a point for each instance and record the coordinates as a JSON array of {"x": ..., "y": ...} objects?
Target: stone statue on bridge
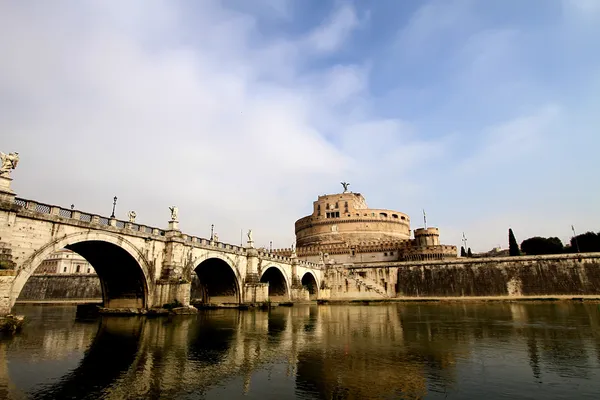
[
  {"x": 345, "y": 185},
  {"x": 9, "y": 162},
  {"x": 174, "y": 213},
  {"x": 250, "y": 236},
  {"x": 131, "y": 215}
]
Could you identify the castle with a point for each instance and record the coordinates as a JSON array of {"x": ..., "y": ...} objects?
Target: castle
[{"x": 342, "y": 229}]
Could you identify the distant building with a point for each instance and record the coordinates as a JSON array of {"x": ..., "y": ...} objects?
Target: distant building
[
  {"x": 342, "y": 229},
  {"x": 65, "y": 262},
  {"x": 495, "y": 252}
]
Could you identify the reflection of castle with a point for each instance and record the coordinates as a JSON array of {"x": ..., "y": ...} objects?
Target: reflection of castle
[
  {"x": 343, "y": 229},
  {"x": 65, "y": 262}
]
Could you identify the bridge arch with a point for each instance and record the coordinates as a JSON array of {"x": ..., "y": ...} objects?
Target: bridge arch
[
  {"x": 123, "y": 271},
  {"x": 279, "y": 284},
  {"x": 309, "y": 281},
  {"x": 216, "y": 281}
]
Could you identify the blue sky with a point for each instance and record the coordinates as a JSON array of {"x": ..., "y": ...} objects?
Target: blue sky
[{"x": 484, "y": 113}]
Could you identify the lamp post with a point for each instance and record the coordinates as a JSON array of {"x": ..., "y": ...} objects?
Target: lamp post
[{"x": 114, "y": 205}]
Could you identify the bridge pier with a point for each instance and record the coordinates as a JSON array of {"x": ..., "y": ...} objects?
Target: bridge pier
[
  {"x": 7, "y": 277},
  {"x": 254, "y": 290}
]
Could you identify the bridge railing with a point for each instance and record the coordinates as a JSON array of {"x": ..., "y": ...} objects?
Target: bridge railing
[
  {"x": 93, "y": 219},
  {"x": 89, "y": 218}
]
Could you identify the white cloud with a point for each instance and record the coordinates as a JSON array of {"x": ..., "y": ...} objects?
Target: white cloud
[
  {"x": 511, "y": 141},
  {"x": 333, "y": 32},
  {"x": 106, "y": 101}
]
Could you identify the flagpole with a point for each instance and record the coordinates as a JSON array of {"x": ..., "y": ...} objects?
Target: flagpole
[{"x": 575, "y": 237}]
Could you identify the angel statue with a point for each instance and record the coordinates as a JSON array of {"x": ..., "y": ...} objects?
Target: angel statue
[
  {"x": 250, "y": 236},
  {"x": 174, "y": 212},
  {"x": 345, "y": 185},
  {"x": 9, "y": 162},
  {"x": 131, "y": 215}
]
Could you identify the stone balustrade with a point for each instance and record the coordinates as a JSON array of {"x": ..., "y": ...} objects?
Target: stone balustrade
[{"x": 126, "y": 226}]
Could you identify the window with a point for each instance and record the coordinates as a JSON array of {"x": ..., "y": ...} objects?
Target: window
[
  {"x": 394, "y": 216},
  {"x": 336, "y": 205},
  {"x": 78, "y": 268},
  {"x": 65, "y": 269},
  {"x": 88, "y": 270},
  {"x": 385, "y": 254},
  {"x": 383, "y": 215},
  {"x": 327, "y": 206},
  {"x": 403, "y": 218},
  {"x": 319, "y": 210}
]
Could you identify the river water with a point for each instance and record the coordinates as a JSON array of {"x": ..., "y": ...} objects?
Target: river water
[{"x": 431, "y": 351}]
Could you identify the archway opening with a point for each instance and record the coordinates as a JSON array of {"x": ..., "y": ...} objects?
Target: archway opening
[
  {"x": 277, "y": 286},
  {"x": 214, "y": 283},
  {"x": 88, "y": 271},
  {"x": 310, "y": 283}
]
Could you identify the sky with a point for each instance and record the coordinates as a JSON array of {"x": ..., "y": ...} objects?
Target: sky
[{"x": 485, "y": 114}]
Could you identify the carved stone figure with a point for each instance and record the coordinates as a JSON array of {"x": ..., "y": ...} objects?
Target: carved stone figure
[
  {"x": 174, "y": 212},
  {"x": 216, "y": 237},
  {"x": 131, "y": 215},
  {"x": 250, "y": 235},
  {"x": 345, "y": 185},
  {"x": 9, "y": 162}
]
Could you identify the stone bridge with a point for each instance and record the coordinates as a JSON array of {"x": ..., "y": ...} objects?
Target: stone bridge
[{"x": 140, "y": 266}]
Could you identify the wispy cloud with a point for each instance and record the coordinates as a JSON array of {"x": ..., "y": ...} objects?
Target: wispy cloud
[{"x": 241, "y": 113}]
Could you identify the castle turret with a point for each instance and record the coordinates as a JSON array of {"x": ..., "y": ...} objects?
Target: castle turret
[{"x": 427, "y": 237}]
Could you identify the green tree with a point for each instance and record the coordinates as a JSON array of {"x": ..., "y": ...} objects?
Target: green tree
[
  {"x": 463, "y": 253},
  {"x": 469, "y": 254},
  {"x": 586, "y": 242},
  {"x": 513, "y": 247},
  {"x": 540, "y": 245}
]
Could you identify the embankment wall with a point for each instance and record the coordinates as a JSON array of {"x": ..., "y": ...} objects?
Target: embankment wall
[
  {"x": 52, "y": 287},
  {"x": 510, "y": 277}
]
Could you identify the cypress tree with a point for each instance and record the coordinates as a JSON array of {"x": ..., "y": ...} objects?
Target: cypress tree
[
  {"x": 513, "y": 247},
  {"x": 463, "y": 253}
]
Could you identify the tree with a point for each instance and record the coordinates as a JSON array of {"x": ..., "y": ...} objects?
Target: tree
[
  {"x": 540, "y": 245},
  {"x": 586, "y": 242},
  {"x": 513, "y": 247},
  {"x": 463, "y": 253},
  {"x": 469, "y": 254}
]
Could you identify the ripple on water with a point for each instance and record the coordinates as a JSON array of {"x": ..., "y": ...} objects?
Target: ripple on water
[{"x": 491, "y": 351}]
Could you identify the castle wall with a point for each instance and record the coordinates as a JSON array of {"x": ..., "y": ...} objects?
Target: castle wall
[
  {"x": 50, "y": 287},
  {"x": 572, "y": 275},
  {"x": 345, "y": 218}
]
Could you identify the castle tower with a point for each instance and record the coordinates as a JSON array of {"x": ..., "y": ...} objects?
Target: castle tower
[
  {"x": 427, "y": 237},
  {"x": 344, "y": 218}
]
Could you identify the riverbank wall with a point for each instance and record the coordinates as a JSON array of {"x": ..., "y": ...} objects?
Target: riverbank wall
[
  {"x": 565, "y": 276},
  {"x": 523, "y": 277},
  {"x": 61, "y": 288}
]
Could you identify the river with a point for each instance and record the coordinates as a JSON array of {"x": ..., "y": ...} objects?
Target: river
[{"x": 395, "y": 351}]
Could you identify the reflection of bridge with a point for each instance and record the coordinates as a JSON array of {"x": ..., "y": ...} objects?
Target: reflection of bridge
[
  {"x": 387, "y": 351},
  {"x": 141, "y": 266}
]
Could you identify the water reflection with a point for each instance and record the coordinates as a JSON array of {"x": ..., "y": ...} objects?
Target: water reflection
[{"x": 411, "y": 351}]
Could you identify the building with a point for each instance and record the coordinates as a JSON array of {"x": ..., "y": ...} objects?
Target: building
[
  {"x": 343, "y": 229},
  {"x": 65, "y": 262}
]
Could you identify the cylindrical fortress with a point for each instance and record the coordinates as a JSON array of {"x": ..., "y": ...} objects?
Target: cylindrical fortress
[
  {"x": 427, "y": 236},
  {"x": 345, "y": 218}
]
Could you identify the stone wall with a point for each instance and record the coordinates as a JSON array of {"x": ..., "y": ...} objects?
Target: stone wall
[
  {"x": 528, "y": 276},
  {"x": 61, "y": 287}
]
